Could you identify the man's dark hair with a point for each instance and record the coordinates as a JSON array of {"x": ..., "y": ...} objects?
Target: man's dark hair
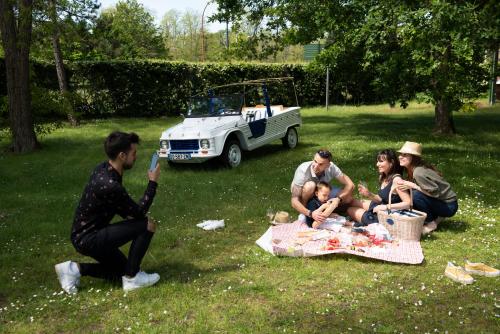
[
  {"x": 325, "y": 154},
  {"x": 118, "y": 142}
]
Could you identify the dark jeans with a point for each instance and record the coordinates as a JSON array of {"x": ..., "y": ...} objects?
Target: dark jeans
[
  {"x": 103, "y": 246},
  {"x": 433, "y": 206}
]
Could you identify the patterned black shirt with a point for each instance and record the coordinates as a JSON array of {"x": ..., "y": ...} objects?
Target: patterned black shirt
[{"x": 103, "y": 198}]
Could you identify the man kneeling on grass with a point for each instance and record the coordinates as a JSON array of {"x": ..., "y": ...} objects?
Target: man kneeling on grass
[{"x": 93, "y": 235}]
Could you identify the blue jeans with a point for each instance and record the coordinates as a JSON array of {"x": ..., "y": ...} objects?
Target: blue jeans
[{"x": 433, "y": 206}]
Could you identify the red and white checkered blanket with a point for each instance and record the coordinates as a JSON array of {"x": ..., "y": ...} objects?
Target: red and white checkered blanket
[{"x": 282, "y": 239}]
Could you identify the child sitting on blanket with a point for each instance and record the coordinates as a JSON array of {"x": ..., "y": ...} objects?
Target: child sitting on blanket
[{"x": 320, "y": 200}]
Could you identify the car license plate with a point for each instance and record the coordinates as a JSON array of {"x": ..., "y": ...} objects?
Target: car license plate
[{"x": 179, "y": 156}]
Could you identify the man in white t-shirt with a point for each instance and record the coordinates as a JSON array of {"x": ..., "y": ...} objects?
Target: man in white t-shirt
[{"x": 308, "y": 174}]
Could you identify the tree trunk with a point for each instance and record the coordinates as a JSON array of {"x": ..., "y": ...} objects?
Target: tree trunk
[
  {"x": 16, "y": 40},
  {"x": 61, "y": 72},
  {"x": 443, "y": 118}
]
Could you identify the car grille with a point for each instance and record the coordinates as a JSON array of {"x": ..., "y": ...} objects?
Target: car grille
[{"x": 185, "y": 145}]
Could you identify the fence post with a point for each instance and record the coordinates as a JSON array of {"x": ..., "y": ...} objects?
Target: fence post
[{"x": 327, "y": 85}]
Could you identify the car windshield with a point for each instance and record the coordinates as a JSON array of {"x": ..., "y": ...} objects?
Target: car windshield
[{"x": 224, "y": 105}]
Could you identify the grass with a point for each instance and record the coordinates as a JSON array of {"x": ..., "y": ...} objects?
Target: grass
[{"x": 221, "y": 281}]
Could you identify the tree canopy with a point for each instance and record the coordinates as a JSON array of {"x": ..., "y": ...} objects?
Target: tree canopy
[
  {"x": 435, "y": 48},
  {"x": 128, "y": 31}
]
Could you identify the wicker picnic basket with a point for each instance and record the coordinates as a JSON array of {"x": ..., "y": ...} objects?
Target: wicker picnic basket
[{"x": 402, "y": 224}]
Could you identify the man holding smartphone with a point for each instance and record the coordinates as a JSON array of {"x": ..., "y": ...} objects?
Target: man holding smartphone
[{"x": 93, "y": 235}]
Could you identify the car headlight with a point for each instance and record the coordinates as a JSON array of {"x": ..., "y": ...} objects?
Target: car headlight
[
  {"x": 204, "y": 144},
  {"x": 164, "y": 144}
]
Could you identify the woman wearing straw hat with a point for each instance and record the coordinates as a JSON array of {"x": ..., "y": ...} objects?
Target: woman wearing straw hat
[{"x": 432, "y": 194}]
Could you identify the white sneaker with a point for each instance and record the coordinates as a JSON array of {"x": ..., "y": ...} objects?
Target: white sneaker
[
  {"x": 302, "y": 218},
  {"x": 140, "y": 280},
  {"x": 69, "y": 276},
  {"x": 429, "y": 227},
  {"x": 439, "y": 220}
]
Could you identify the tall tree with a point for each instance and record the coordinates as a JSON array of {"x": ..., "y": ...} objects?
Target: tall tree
[
  {"x": 15, "y": 26},
  {"x": 228, "y": 11},
  {"x": 436, "y": 47},
  {"x": 58, "y": 11},
  {"x": 181, "y": 34},
  {"x": 128, "y": 31}
]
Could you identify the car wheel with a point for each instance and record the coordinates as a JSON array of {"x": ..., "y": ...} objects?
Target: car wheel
[
  {"x": 231, "y": 155},
  {"x": 291, "y": 138}
]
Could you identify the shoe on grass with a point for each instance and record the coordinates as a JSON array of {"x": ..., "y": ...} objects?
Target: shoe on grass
[
  {"x": 69, "y": 276},
  {"x": 439, "y": 220},
  {"x": 140, "y": 280},
  {"x": 481, "y": 269},
  {"x": 458, "y": 274},
  {"x": 429, "y": 227}
]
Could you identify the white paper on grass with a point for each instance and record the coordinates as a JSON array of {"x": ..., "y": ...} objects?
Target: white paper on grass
[
  {"x": 266, "y": 241},
  {"x": 211, "y": 224}
]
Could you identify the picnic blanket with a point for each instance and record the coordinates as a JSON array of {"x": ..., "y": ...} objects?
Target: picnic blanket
[{"x": 285, "y": 240}]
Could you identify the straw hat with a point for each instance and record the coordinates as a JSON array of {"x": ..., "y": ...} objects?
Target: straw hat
[
  {"x": 281, "y": 217},
  {"x": 411, "y": 148}
]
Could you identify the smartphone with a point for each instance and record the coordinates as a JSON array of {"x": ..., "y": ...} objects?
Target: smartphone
[{"x": 154, "y": 161}]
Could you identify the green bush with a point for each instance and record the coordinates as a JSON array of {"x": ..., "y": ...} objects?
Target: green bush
[{"x": 151, "y": 88}]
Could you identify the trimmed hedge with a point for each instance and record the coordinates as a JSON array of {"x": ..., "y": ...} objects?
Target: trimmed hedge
[{"x": 156, "y": 88}]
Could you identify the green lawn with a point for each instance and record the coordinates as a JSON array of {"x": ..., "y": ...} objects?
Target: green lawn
[{"x": 221, "y": 281}]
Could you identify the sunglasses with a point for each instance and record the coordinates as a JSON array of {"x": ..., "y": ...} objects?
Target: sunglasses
[{"x": 325, "y": 154}]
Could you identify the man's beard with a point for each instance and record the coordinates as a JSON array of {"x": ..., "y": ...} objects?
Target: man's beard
[{"x": 128, "y": 166}]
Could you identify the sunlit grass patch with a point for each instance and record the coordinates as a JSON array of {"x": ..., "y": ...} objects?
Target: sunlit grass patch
[{"x": 220, "y": 281}]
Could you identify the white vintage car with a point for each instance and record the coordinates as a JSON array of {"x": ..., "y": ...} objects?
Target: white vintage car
[{"x": 221, "y": 126}]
